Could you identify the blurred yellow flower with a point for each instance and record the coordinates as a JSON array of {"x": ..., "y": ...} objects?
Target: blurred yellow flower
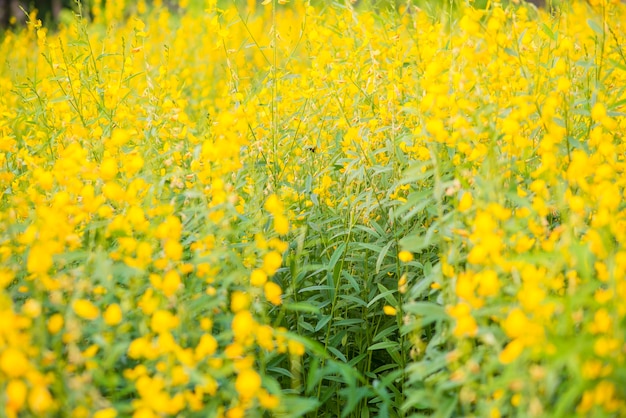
[
  {"x": 16, "y": 391},
  {"x": 243, "y": 325},
  {"x": 163, "y": 321},
  {"x": 105, "y": 413},
  {"x": 171, "y": 283},
  {"x": 55, "y": 323},
  {"x": 85, "y": 309},
  {"x": 271, "y": 262},
  {"x": 206, "y": 347},
  {"x": 248, "y": 383},
  {"x": 273, "y": 205},
  {"x": 511, "y": 351},
  {"x": 113, "y": 314},
  {"x": 296, "y": 347},
  {"x": 108, "y": 169},
  {"x": 273, "y": 293},
  {"x": 389, "y": 310},
  {"x": 281, "y": 224},
  {"x": 39, "y": 399},
  {"x": 13, "y": 362},
  {"x": 405, "y": 256},
  {"x": 258, "y": 277},
  {"x": 239, "y": 301},
  {"x": 466, "y": 202},
  {"x": 173, "y": 250},
  {"x": 268, "y": 401},
  {"x": 39, "y": 259}
]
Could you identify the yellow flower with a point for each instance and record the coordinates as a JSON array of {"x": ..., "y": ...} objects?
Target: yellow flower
[
  {"x": 105, "y": 413},
  {"x": 91, "y": 351},
  {"x": 108, "y": 169},
  {"x": 268, "y": 401},
  {"x": 39, "y": 259},
  {"x": 405, "y": 256},
  {"x": 55, "y": 323},
  {"x": 465, "y": 324},
  {"x": 206, "y": 347},
  {"x": 281, "y": 224},
  {"x": 138, "y": 348},
  {"x": 248, "y": 383},
  {"x": 179, "y": 377},
  {"x": 39, "y": 399},
  {"x": 113, "y": 191},
  {"x": 236, "y": 412},
  {"x": 171, "y": 283},
  {"x": 273, "y": 205},
  {"x": 605, "y": 346},
  {"x": 45, "y": 180},
  {"x": 243, "y": 325},
  {"x": 265, "y": 337},
  {"x": 163, "y": 321},
  {"x": 239, "y": 301},
  {"x": 602, "y": 322},
  {"x": 515, "y": 324},
  {"x": 85, "y": 309},
  {"x": 295, "y": 347},
  {"x": 488, "y": 283},
  {"x": 13, "y": 362},
  {"x": 16, "y": 395},
  {"x": 271, "y": 262},
  {"x": 113, "y": 314},
  {"x": 173, "y": 250},
  {"x": 591, "y": 369},
  {"x": 511, "y": 351},
  {"x": 32, "y": 308},
  {"x": 258, "y": 277},
  {"x": 598, "y": 112},
  {"x": 389, "y": 310},
  {"x": 273, "y": 293},
  {"x": 144, "y": 412},
  {"x": 6, "y": 277},
  {"x": 402, "y": 283},
  {"x": 466, "y": 202}
]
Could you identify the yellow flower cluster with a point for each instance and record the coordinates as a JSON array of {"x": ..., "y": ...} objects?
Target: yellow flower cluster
[
  {"x": 533, "y": 254},
  {"x": 123, "y": 214},
  {"x": 163, "y": 175}
]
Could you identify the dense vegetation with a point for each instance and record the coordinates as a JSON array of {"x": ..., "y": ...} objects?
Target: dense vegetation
[{"x": 314, "y": 209}]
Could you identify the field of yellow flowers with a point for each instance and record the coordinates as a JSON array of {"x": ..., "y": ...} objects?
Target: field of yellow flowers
[{"x": 269, "y": 209}]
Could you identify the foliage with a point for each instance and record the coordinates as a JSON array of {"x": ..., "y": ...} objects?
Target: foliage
[{"x": 313, "y": 209}]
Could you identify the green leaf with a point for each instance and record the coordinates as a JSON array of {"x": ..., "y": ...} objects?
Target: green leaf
[
  {"x": 322, "y": 322},
  {"x": 355, "y": 300},
  {"x": 429, "y": 312},
  {"x": 511, "y": 52},
  {"x": 338, "y": 354},
  {"x": 546, "y": 29},
  {"x": 383, "y": 345},
  {"x": 302, "y": 307},
  {"x": 315, "y": 288},
  {"x": 595, "y": 27},
  {"x": 447, "y": 408},
  {"x": 295, "y": 406},
  {"x": 417, "y": 243},
  {"x": 382, "y": 255},
  {"x": 353, "y": 395},
  {"x": 384, "y": 294},
  {"x": 417, "y": 399}
]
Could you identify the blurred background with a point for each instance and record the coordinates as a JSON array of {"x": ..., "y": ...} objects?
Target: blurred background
[{"x": 13, "y": 12}]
